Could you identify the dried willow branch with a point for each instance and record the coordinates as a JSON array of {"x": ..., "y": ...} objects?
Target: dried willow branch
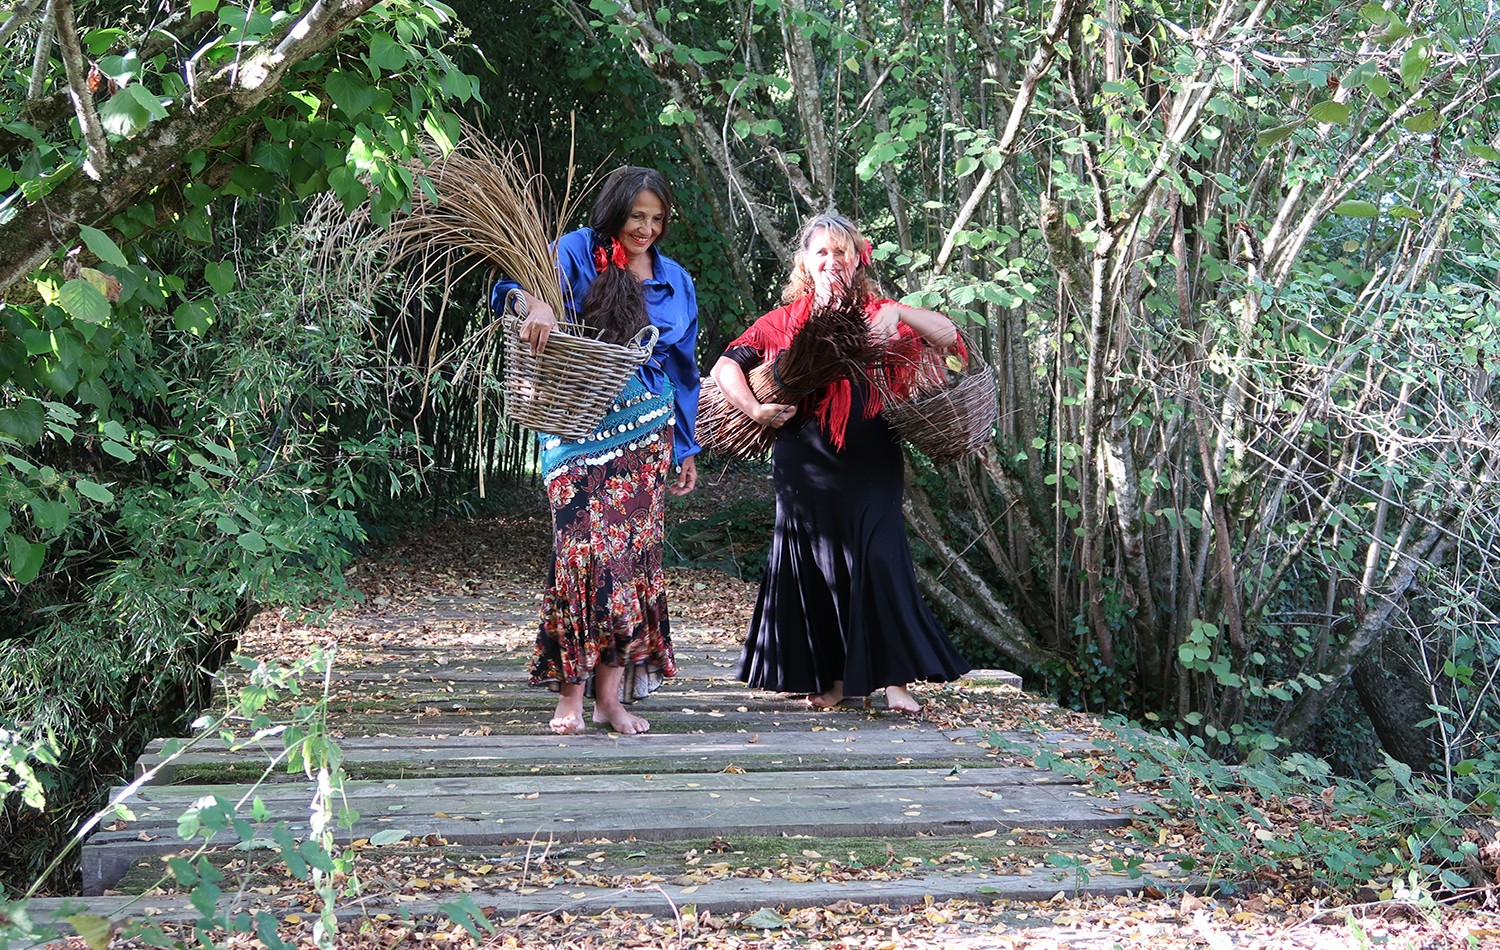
[{"x": 833, "y": 344}]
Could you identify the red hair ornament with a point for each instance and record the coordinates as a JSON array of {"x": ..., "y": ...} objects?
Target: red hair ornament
[{"x": 615, "y": 255}]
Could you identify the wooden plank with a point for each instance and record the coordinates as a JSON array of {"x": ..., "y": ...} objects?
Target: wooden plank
[
  {"x": 470, "y": 816},
  {"x": 652, "y": 751},
  {"x": 422, "y": 788},
  {"x": 672, "y": 813},
  {"x": 725, "y": 896}
]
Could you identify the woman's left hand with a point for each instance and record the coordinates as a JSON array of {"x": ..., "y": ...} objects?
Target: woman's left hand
[
  {"x": 687, "y": 476},
  {"x": 886, "y": 325}
]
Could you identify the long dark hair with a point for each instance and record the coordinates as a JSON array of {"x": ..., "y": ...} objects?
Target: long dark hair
[{"x": 615, "y": 306}]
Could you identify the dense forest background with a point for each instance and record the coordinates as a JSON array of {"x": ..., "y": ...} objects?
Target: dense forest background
[{"x": 1234, "y": 265}]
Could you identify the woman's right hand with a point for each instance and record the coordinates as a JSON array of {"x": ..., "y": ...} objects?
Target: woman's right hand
[
  {"x": 540, "y": 321},
  {"x": 772, "y": 415}
]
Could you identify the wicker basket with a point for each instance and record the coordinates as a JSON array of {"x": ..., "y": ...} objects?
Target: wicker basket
[
  {"x": 951, "y": 414},
  {"x": 567, "y": 388}
]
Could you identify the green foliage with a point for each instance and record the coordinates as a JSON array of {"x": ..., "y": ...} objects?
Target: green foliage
[
  {"x": 199, "y": 403},
  {"x": 1288, "y": 816},
  {"x": 316, "y": 859},
  {"x": 18, "y": 761}
]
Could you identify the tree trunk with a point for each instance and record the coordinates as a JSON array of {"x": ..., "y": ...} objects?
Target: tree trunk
[{"x": 1396, "y": 698}]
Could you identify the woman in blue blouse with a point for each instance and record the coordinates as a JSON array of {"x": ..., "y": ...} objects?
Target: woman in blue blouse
[{"x": 604, "y": 628}]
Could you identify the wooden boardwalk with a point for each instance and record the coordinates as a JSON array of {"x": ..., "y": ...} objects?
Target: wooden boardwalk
[{"x": 735, "y": 800}]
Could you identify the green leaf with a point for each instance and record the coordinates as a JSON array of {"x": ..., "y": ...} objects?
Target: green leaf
[
  {"x": 349, "y": 92},
  {"x": 443, "y": 127},
  {"x": 131, "y": 109},
  {"x": 389, "y": 836},
  {"x": 103, "y": 248},
  {"x": 470, "y": 916},
  {"x": 94, "y": 491},
  {"x": 220, "y": 276},
  {"x": 204, "y": 6},
  {"x": 1359, "y": 75},
  {"x": 26, "y": 559},
  {"x": 194, "y": 317},
  {"x": 83, "y": 301},
  {"x": 93, "y": 929},
  {"x": 1482, "y": 151},
  {"x": 1329, "y": 112},
  {"x": 122, "y": 452},
  {"x": 252, "y": 541},
  {"x": 1414, "y": 63},
  {"x": 1272, "y": 136},
  {"x": 1422, "y": 123},
  {"x": 97, "y": 42},
  {"x": 385, "y": 53},
  {"x": 1356, "y": 209},
  {"x": 25, "y": 421},
  {"x": 1374, "y": 12}
]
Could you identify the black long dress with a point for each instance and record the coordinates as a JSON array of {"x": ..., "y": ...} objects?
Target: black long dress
[{"x": 840, "y": 599}]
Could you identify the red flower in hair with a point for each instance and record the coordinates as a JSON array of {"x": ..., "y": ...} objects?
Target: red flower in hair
[
  {"x": 601, "y": 260},
  {"x": 618, "y": 254},
  {"x": 866, "y": 254}
]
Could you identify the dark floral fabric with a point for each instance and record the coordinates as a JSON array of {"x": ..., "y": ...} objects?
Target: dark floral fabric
[{"x": 606, "y": 594}]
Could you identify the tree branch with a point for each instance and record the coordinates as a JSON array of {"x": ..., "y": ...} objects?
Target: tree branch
[
  {"x": 23, "y": 13},
  {"x": 1433, "y": 547},
  {"x": 1041, "y": 61},
  {"x": 42, "y": 55},
  {"x": 41, "y": 228},
  {"x": 45, "y": 111},
  {"x": 805, "y": 88},
  {"x": 78, "y": 87}
]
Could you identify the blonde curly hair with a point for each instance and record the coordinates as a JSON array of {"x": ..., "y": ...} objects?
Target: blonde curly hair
[{"x": 800, "y": 283}]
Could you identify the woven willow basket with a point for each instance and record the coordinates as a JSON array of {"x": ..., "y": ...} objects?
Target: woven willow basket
[
  {"x": 567, "y": 388},
  {"x": 951, "y": 414}
]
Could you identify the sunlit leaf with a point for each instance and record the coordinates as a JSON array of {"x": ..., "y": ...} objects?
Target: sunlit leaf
[
  {"x": 103, "y": 247},
  {"x": 765, "y": 919},
  {"x": 94, "y": 491},
  {"x": 1482, "y": 151},
  {"x": 1414, "y": 63},
  {"x": 1422, "y": 123},
  {"x": 1329, "y": 112},
  {"x": 1356, "y": 209},
  {"x": 130, "y": 110},
  {"x": 83, "y": 301},
  {"x": 93, "y": 929},
  {"x": 1272, "y": 136}
]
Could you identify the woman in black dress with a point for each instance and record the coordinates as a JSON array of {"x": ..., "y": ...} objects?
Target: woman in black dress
[{"x": 839, "y": 612}]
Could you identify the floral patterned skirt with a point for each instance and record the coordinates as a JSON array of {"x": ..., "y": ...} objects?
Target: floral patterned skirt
[{"x": 606, "y": 596}]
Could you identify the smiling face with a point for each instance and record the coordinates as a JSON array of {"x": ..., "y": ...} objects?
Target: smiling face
[
  {"x": 643, "y": 225},
  {"x": 830, "y": 260}
]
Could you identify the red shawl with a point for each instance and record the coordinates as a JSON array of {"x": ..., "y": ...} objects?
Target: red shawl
[{"x": 773, "y": 333}]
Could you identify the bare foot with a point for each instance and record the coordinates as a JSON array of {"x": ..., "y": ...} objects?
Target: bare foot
[
  {"x": 567, "y": 719},
  {"x": 829, "y": 698},
  {"x": 619, "y": 719},
  {"x": 899, "y": 699}
]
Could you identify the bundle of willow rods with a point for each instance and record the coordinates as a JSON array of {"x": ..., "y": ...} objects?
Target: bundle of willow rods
[
  {"x": 488, "y": 207},
  {"x": 483, "y": 207},
  {"x": 833, "y": 344},
  {"x": 951, "y": 410}
]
